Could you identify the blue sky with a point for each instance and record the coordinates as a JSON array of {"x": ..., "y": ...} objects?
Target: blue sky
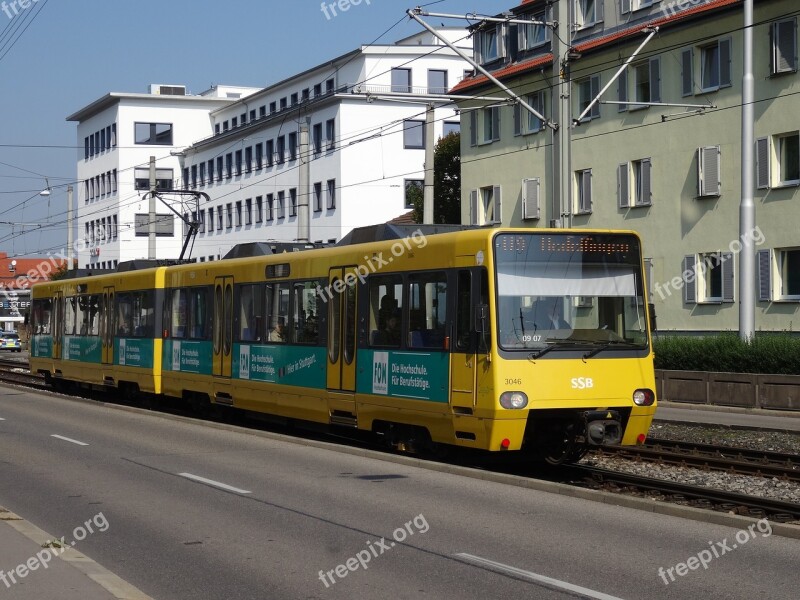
[{"x": 57, "y": 56}]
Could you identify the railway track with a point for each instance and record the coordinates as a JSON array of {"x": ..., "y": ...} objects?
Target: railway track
[
  {"x": 738, "y": 461},
  {"x": 733, "y": 460}
]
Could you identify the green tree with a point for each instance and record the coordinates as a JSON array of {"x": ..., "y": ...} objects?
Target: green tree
[
  {"x": 446, "y": 183},
  {"x": 59, "y": 273}
]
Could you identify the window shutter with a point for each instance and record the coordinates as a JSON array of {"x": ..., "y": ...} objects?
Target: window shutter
[
  {"x": 586, "y": 182},
  {"x": 497, "y": 198},
  {"x": 600, "y": 8},
  {"x": 595, "y": 87},
  {"x": 473, "y": 207},
  {"x": 725, "y": 62},
  {"x": 502, "y": 40},
  {"x": 622, "y": 90},
  {"x": 496, "y": 124},
  {"x": 689, "y": 287},
  {"x": 473, "y": 128},
  {"x": 708, "y": 171},
  {"x": 763, "y": 172},
  {"x": 655, "y": 80},
  {"x": 530, "y": 198},
  {"x": 521, "y": 41},
  {"x": 765, "y": 275},
  {"x": 518, "y": 119},
  {"x": 687, "y": 72},
  {"x": 727, "y": 277},
  {"x": 647, "y": 188},
  {"x": 623, "y": 186},
  {"x": 625, "y": 6},
  {"x": 784, "y": 46}
]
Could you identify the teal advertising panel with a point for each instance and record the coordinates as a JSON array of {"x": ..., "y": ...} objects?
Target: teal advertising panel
[
  {"x": 284, "y": 365},
  {"x": 134, "y": 352},
  {"x": 187, "y": 357},
  {"x": 42, "y": 346},
  {"x": 82, "y": 349},
  {"x": 418, "y": 375}
]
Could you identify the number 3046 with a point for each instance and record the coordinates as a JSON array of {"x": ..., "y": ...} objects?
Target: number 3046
[{"x": 513, "y": 381}]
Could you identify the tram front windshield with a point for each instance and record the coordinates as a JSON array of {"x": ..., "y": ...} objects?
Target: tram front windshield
[{"x": 570, "y": 290}]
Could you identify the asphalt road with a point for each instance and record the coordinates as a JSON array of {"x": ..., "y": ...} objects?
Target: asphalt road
[{"x": 152, "y": 491}]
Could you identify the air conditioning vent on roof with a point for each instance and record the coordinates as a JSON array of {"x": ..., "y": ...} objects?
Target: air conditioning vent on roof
[{"x": 168, "y": 90}]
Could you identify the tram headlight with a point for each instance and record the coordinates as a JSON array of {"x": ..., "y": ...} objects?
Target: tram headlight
[
  {"x": 513, "y": 400},
  {"x": 644, "y": 397}
]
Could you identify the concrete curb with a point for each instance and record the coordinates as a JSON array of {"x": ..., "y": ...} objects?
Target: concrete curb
[
  {"x": 648, "y": 505},
  {"x": 110, "y": 582}
]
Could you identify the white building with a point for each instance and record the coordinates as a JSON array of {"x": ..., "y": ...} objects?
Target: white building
[
  {"x": 363, "y": 153},
  {"x": 119, "y": 133}
]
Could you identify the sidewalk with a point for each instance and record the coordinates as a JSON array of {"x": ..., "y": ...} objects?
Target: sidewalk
[{"x": 29, "y": 571}]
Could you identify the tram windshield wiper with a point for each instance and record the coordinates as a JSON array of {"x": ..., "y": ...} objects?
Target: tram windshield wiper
[
  {"x": 609, "y": 344},
  {"x": 555, "y": 346}
]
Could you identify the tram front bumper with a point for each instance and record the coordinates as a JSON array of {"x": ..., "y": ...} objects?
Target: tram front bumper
[{"x": 603, "y": 427}]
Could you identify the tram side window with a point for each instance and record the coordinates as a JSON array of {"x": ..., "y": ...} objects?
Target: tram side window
[
  {"x": 199, "y": 318},
  {"x": 42, "y": 316},
  {"x": 277, "y": 301},
  {"x": 88, "y": 315},
  {"x": 135, "y": 314},
  {"x": 464, "y": 311},
  {"x": 485, "y": 340},
  {"x": 427, "y": 310},
  {"x": 251, "y": 313},
  {"x": 385, "y": 309},
  {"x": 305, "y": 312},
  {"x": 70, "y": 309},
  {"x": 178, "y": 318}
]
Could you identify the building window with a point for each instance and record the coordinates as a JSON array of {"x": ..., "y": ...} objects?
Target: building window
[
  {"x": 165, "y": 225},
  {"x": 259, "y": 209},
  {"x": 486, "y": 205},
  {"x": 113, "y": 135},
  {"x": 229, "y": 165},
  {"x": 787, "y": 147},
  {"x": 708, "y": 278},
  {"x": 220, "y": 167},
  {"x": 202, "y": 223},
  {"x": 413, "y": 134},
  {"x": 490, "y": 44},
  {"x": 225, "y": 126},
  {"x": 583, "y": 192},
  {"x": 646, "y": 85},
  {"x": 588, "y": 89},
  {"x": 708, "y": 171},
  {"x": 219, "y": 218},
  {"x": 238, "y": 213},
  {"x": 786, "y": 272},
  {"x": 784, "y": 46},
  {"x": 270, "y": 207},
  {"x": 211, "y": 219},
  {"x": 281, "y": 204},
  {"x": 294, "y": 99},
  {"x": 437, "y": 81},
  {"x": 715, "y": 65},
  {"x": 270, "y": 153},
  {"x": 642, "y": 188},
  {"x": 211, "y": 171},
  {"x": 202, "y": 175},
  {"x": 525, "y": 122},
  {"x": 259, "y": 156},
  {"x": 164, "y": 179},
  {"x": 533, "y": 35},
  {"x": 238, "y": 162},
  {"x": 331, "y": 194},
  {"x": 401, "y": 80},
  {"x": 588, "y": 12},
  {"x": 216, "y": 128},
  {"x": 414, "y": 188},
  {"x": 329, "y": 85},
  {"x": 114, "y": 181},
  {"x": 229, "y": 216},
  {"x": 318, "y": 197},
  {"x": 330, "y": 133},
  {"x": 281, "y": 156},
  {"x": 252, "y": 115},
  {"x": 194, "y": 176},
  {"x": 248, "y": 159},
  {"x": 153, "y": 134},
  {"x": 283, "y": 103},
  {"x": 293, "y": 146},
  {"x": 262, "y": 112},
  {"x": 234, "y": 122},
  {"x": 293, "y": 202},
  {"x": 449, "y": 127},
  {"x": 273, "y": 107},
  {"x": 316, "y": 138},
  {"x": 317, "y": 90}
]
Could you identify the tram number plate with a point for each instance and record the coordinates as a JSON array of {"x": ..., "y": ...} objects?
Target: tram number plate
[
  {"x": 510, "y": 381},
  {"x": 531, "y": 338}
]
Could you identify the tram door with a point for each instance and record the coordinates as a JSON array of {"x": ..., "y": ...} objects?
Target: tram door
[
  {"x": 342, "y": 340},
  {"x": 107, "y": 329},
  {"x": 223, "y": 326},
  {"x": 463, "y": 361},
  {"x": 58, "y": 324}
]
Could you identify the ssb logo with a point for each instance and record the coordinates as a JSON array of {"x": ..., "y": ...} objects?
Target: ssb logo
[
  {"x": 582, "y": 383},
  {"x": 380, "y": 373}
]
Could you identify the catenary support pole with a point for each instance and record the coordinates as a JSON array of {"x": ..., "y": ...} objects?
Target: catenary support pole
[{"x": 747, "y": 210}]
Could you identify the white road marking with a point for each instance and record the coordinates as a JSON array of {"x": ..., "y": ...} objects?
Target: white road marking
[
  {"x": 548, "y": 581},
  {"x": 2, "y": 419},
  {"x": 70, "y": 440},
  {"x": 213, "y": 483}
]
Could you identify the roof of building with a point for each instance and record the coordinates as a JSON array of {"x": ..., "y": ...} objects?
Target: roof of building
[
  {"x": 20, "y": 272},
  {"x": 404, "y": 219},
  {"x": 113, "y": 98},
  {"x": 594, "y": 43}
]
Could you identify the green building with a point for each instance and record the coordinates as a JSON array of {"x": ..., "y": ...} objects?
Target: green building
[{"x": 668, "y": 167}]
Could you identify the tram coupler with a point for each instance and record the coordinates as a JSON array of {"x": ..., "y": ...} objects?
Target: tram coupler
[{"x": 603, "y": 427}]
